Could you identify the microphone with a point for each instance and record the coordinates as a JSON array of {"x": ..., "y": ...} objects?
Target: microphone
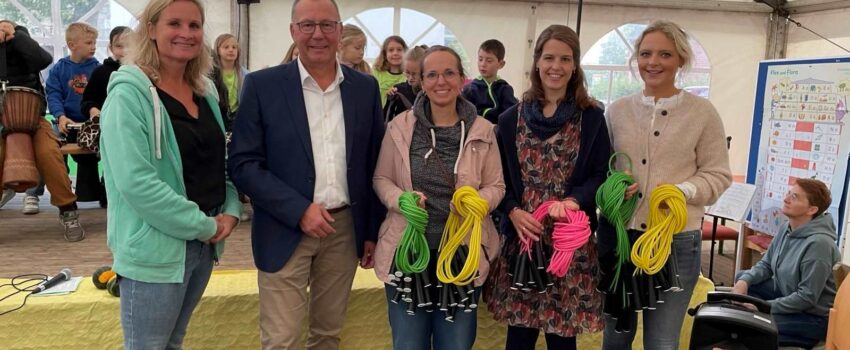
[{"x": 63, "y": 275}]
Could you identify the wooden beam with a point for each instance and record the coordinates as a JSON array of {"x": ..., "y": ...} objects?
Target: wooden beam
[
  {"x": 808, "y": 6},
  {"x": 703, "y": 5}
]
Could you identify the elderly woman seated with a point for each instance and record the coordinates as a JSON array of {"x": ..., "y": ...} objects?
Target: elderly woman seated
[{"x": 795, "y": 274}]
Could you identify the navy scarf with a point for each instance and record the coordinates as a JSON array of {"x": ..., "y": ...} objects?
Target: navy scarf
[{"x": 543, "y": 127}]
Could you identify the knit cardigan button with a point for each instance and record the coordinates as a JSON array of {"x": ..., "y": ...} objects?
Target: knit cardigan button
[
  {"x": 664, "y": 112},
  {"x": 657, "y": 133}
]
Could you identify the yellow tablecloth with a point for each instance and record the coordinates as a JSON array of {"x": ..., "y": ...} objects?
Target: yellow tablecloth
[{"x": 226, "y": 318}]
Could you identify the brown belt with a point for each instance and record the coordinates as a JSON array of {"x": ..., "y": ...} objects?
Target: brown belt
[{"x": 337, "y": 210}]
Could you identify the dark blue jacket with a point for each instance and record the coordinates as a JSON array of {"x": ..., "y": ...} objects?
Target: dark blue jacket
[
  {"x": 590, "y": 170},
  {"x": 65, "y": 85},
  {"x": 271, "y": 158},
  {"x": 490, "y": 100}
]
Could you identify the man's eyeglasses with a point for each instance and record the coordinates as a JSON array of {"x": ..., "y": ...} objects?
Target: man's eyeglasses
[
  {"x": 309, "y": 27},
  {"x": 432, "y": 76}
]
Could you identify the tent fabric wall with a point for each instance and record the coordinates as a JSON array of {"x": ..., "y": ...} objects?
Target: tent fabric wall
[{"x": 832, "y": 24}]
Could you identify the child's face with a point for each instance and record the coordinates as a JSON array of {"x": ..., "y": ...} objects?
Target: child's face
[
  {"x": 83, "y": 46},
  {"x": 353, "y": 51},
  {"x": 412, "y": 72},
  {"x": 395, "y": 54},
  {"x": 118, "y": 47},
  {"x": 488, "y": 64},
  {"x": 229, "y": 50}
]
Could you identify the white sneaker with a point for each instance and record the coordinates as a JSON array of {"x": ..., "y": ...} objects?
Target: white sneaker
[
  {"x": 30, "y": 205},
  {"x": 8, "y": 194}
]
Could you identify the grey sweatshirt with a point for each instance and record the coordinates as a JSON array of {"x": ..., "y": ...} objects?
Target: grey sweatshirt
[{"x": 799, "y": 264}]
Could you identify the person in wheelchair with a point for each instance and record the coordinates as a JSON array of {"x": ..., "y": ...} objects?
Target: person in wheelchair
[
  {"x": 795, "y": 274},
  {"x": 23, "y": 60}
]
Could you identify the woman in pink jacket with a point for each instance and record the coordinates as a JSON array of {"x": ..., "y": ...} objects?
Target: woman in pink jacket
[{"x": 432, "y": 150}]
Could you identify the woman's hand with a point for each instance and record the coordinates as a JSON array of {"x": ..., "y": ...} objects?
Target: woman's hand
[
  {"x": 225, "y": 224},
  {"x": 422, "y": 199},
  {"x": 525, "y": 224},
  {"x": 558, "y": 210}
]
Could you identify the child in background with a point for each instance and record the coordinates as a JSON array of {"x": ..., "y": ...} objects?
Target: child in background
[
  {"x": 66, "y": 83},
  {"x": 402, "y": 95},
  {"x": 352, "y": 46},
  {"x": 490, "y": 94},
  {"x": 388, "y": 66},
  {"x": 227, "y": 75},
  {"x": 95, "y": 93},
  {"x": 24, "y": 60}
]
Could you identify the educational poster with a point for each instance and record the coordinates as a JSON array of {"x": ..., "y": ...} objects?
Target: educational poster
[{"x": 798, "y": 132}]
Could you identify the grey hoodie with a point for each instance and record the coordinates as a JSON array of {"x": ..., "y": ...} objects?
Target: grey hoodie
[{"x": 799, "y": 264}]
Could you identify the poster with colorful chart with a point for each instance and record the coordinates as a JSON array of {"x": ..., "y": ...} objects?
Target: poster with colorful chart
[{"x": 798, "y": 132}]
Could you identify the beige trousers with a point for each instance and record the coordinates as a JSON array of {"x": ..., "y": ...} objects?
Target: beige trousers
[{"x": 327, "y": 266}]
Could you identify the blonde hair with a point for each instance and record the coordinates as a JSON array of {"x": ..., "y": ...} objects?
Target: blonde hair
[
  {"x": 349, "y": 34},
  {"x": 145, "y": 55},
  {"x": 77, "y": 29},
  {"x": 673, "y": 32},
  {"x": 221, "y": 40},
  {"x": 416, "y": 53},
  {"x": 288, "y": 57},
  {"x": 381, "y": 63}
]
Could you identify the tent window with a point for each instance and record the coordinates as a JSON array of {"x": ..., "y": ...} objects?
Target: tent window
[
  {"x": 47, "y": 20},
  {"x": 415, "y": 27},
  {"x": 609, "y": 76}
]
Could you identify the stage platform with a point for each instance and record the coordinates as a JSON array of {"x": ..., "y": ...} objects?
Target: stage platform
[{"x": 227, "y": 317}]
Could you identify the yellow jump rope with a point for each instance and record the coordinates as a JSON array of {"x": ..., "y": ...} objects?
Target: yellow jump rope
[
  {"x": 465, "y": 220},
  {"x": 652, "y": 249}
]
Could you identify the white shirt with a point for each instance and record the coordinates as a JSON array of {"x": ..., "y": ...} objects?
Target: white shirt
[{"x": 327, "y": 135}]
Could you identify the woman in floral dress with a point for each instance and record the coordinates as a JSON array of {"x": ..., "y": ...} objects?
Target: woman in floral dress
[{"x": 555, "y": 146}]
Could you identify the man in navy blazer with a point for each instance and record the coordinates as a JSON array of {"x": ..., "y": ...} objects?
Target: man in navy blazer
[{"x": 304, "y": 147}]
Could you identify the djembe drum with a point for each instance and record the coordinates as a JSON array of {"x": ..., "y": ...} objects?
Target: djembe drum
[{"x": 20, "y": 110}]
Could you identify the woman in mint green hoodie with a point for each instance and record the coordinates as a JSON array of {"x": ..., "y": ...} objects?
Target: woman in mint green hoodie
[
  {"x": 795, "y": 274},
  {"x": 170, "y": 202}
]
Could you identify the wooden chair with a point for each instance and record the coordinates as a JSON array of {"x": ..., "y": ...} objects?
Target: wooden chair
[
  {"x": 754, "y": 242},
  {"x": 837, "y": 337}
]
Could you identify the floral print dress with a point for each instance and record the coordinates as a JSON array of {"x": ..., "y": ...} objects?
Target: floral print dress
[{"x": 572, "y": 305}]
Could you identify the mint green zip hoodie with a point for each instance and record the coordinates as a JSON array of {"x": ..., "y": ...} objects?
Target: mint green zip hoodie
[{"x": 149, "y": 218}]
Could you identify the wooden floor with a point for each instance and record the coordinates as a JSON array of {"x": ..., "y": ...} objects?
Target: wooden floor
[{"x": 34, "y": 244}]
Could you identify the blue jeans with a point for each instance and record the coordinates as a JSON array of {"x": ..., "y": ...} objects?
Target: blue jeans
[
  {"x": 38, "y": 190},
  {"x": 799, "y": 329},
  {"x": 427, "y": 330},
  {"x": 155, "y": 315},
  {"x": 661, "y": 327}
]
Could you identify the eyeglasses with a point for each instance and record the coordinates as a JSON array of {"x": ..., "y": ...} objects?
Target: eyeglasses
[
  {"x": 432, "y": 76},
  {"x": 309, "y": 27}
]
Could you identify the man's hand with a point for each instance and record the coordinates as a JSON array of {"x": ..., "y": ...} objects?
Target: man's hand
[
  {"x": 368, "y": 259},
  {"x": 7, "y": 32},
  {"x": 316, "y": 222},
  {"x": 225, "y": 224},
  {"x": 63, "y": 123}
]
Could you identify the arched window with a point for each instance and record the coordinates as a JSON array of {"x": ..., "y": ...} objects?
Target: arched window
[
  {"x": 415, "y": 27},
  {"x": 609, "y": 76},
  {"x": 47, "y": 20}
]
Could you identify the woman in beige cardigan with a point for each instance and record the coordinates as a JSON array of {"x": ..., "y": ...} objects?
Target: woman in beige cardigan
[
  {"x": 672, "y": 137},
  {"x": 437, "y": 147}
]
